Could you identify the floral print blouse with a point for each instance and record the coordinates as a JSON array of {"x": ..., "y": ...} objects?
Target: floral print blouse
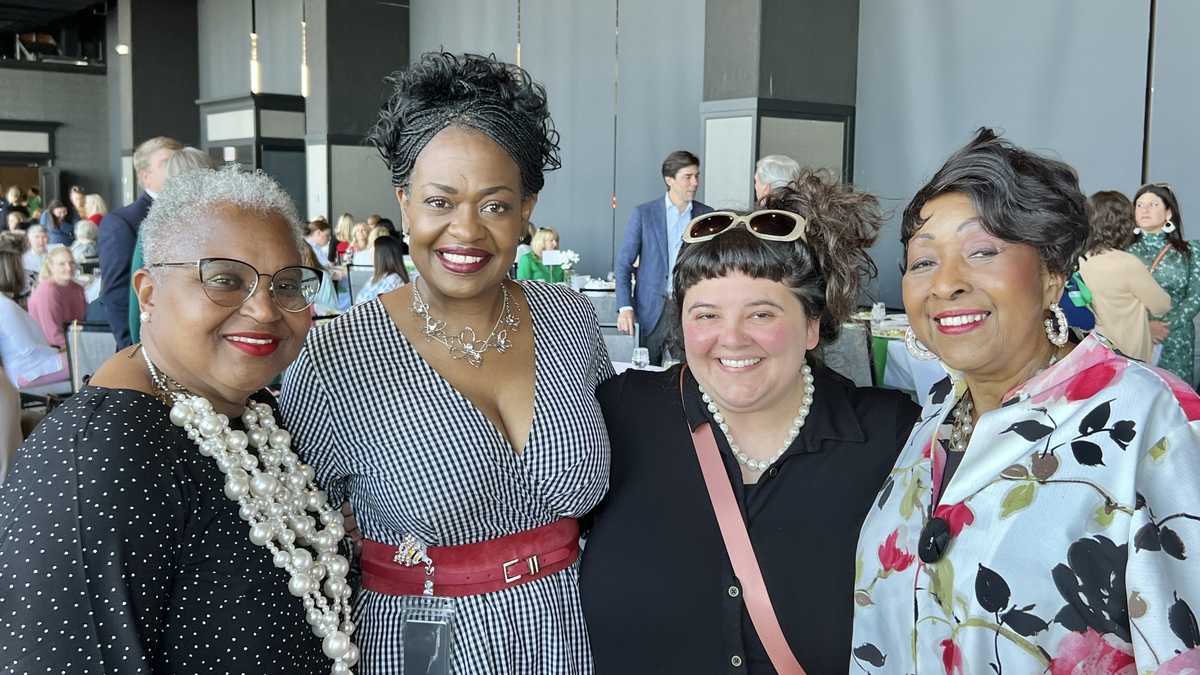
[
  {"x": 1075, "y": 531},
  {"x": 1179, "y": 276}
]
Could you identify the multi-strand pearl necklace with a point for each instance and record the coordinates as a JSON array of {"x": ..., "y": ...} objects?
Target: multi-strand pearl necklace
[
  {"x": 797, "y": 424},
  {"x": 274, "y": 491}
]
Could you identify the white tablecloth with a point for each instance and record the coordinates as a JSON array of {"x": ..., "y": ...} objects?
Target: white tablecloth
[{"x": 906, "y": 372}]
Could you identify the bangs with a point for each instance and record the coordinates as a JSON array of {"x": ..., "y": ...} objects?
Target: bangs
[{"x": 733, "y": 252}]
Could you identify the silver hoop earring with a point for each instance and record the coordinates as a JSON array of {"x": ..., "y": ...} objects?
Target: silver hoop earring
[
  {"x": 1057, "y": 336},
  {"x": 145, "y": 317},
  {"x": 1169, "y": 227},
  {"x": 914, "y": 346}
]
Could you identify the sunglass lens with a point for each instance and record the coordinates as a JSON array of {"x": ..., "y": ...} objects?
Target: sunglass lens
[
  {"x": 708, "y": 226},
  {"x": 227, "y": 282},
  {"x": 294, "y": 288},
  {"x": 772, "y": 224}
]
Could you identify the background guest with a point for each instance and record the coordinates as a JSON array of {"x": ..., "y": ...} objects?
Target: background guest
[
  {"x": 27, "y": 359},
  {"x": 343, "y": 232},
  {"x": 76, "y": 203},
  {"x": 366, "y": 256},
  {"x": 119, "y": 230},
  {"x": 95, "y": 207},
  {"x": 319, "y": 235},
  {"x": 14, "y": 221},
  {"x": 33, "y": 202},
  {"x": 84, "y": 247},
  {"x": 1041, "y": 478},
  {"x": 530, "y": 266},
  {"x": 1121, "y": 285},
  {"x": 14, "y": 202},
  {"x": 390, "y": 273},
  {"x": 1174, "y": 264},
  {"x": 360, "y": 236},
  {"x": 39, "y": 243},
  {"x": 55, "y": 221},
  {"x": 772, "y": 172},
  {"x": 57, "y": 299}
]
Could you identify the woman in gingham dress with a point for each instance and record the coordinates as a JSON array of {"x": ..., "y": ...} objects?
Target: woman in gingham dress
[{"x": 460, "y": 410}]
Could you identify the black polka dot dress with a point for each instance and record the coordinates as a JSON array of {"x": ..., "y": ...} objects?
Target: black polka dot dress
[{"x": 119, "y": 553}]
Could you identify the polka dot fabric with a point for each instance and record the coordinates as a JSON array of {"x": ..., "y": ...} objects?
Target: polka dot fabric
[{"x": 119, "y": 553}]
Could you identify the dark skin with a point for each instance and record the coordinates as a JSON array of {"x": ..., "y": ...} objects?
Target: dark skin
[{"x": 465, "y": 196}]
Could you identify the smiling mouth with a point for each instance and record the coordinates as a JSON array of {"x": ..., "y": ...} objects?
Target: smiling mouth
[
  {"x": 961, "y": 320},
  {"x": 460, "y": 259},
  {"x": 738, "y": 364},
  {"x": 249, "y": 340}
]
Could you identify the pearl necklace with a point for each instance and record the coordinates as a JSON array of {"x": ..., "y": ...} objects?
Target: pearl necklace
[
  {"x": 465, "y": 345},
  {"x": 797, "y": 424},
  {"x": 274, "y": 490},
  {"x": 960, "y": 434}
]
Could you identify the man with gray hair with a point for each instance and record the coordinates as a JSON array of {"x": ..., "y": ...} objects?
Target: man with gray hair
[
  {"x": 774, "y": 171},
  {"x": 118, "y": 233}
]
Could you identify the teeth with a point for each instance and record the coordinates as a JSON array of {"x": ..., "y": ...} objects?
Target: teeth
[
  {"x": 961, "y": 320},
  {"x": 249, "y": 340},
  {"x": 462, "y": 259},
  {"x": 739, "y": 363}
]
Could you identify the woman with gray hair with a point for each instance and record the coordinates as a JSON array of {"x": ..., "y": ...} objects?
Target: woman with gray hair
[
  {"x": 774, "y": 171},
  {"x": 126, "y": 515},
  {"x": 181, "y": 161},
  {"x": 84, "y": 246}
]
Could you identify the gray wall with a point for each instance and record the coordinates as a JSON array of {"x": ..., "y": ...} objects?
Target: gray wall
[
  {"x": 1062, "y": 77},
  {"x": 80, "y": 103},
  {"x": 809, "y": 50},
  {"x": 731, "y": 33},
  {"x": 367, "y": 40},
  {"x": 1175, "y": 136},
  {"x": 279, "y": 45},
  {"x": 224, "y": 37}
]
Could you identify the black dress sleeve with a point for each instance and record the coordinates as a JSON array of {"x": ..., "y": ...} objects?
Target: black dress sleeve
[{"x": 91, "y": 520}]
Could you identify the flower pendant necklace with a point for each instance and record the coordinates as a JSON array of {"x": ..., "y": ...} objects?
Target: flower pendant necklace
[
  {"x": 275, "y": 491},
  {"x": 466, "y": 345},
  {"x": 797, "y": 424}
]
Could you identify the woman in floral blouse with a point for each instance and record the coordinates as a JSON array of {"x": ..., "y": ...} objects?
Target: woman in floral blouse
[
  {"x": 1173, "y": 262},
  {"x": 1040, "y": 516}
]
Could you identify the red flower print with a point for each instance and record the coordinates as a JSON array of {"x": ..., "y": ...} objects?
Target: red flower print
[
  {"x": 957, "y": 515},
  {"x": 892, "y": 557},
  {"x": 1090, "y": 654},
  {"x": 1185, "y": 395},
  {"x": 1091, "y": 381},
  {"x": 928, "y": 451},
  {"x": 1183, "y": 664},
  {"x": 951, "y": 657}
]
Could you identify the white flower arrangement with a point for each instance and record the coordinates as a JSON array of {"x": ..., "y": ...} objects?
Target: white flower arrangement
[{"x": 569, "y": 260}]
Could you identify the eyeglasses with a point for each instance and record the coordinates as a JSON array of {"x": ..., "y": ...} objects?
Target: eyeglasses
[
  {"x": 230, "y": 283},
  {"x": 769, "y": 224}
]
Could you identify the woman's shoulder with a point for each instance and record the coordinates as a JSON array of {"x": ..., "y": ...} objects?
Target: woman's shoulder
[
  {"x": 557, "y": 301},
  {"x": 640, "y": 392},
  {"x": 124, "y": 421},
  {"x": 346, "y": 336},
  {"x": 871, "y": 405}
]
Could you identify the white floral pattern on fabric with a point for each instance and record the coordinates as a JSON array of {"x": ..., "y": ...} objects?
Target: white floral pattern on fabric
[{"x": 1075, "y": 523}]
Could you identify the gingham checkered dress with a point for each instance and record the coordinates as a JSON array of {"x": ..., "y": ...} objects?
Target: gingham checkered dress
[{"x": 413, "y": 455}]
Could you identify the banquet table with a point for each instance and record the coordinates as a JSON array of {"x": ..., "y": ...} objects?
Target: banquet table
[{"x": 894, "y": 367}]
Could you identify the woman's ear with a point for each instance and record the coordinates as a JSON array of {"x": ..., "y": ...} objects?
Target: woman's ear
[
  {"x": 1052, "y": 287},
  {"x": 143, "y": 288},
  {"x": 403, "y": 199},
  {"x": 527, "y": 205}
]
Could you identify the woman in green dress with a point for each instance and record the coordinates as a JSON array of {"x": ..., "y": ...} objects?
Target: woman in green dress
[
  {"x": 1174, "y": 264},
  {"x": 530, "y": 265}
]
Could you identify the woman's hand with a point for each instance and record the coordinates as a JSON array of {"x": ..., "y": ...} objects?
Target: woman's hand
[{"x": 1159, "y": 330}]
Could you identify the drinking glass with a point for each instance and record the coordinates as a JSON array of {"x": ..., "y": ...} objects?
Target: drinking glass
[{"x": 641, "y": 358}]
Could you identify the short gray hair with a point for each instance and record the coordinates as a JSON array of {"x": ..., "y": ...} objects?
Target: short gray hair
[
  {"x": 86, "y": 230},
  {"x": 186, "y": 159},
  {"x": 776, "y": 171},
  {"x": 172, "y": 225}
]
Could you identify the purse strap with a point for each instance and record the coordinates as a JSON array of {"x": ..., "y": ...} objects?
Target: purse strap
[
  {"x": 1158, "y": 259},
  {"x": 741, "y": 551}
]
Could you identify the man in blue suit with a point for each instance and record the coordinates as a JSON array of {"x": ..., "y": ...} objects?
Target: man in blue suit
[
  {"x": 119, "y": 230},
  {"x": 653, "y": 237}
]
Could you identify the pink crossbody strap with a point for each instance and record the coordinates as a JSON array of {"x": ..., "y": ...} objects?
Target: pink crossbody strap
[{"x": 741, "y": 553}]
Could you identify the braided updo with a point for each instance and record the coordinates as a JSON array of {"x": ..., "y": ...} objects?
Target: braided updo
[{"x": 477, "y": 92}]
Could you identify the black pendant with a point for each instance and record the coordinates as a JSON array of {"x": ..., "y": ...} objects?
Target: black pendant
[{"x": 935, "y": 539}]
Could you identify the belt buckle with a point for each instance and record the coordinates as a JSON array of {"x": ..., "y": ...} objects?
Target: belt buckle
[
  {"x": 531, "y": 562},
  {"x": 411, "y": 552}
]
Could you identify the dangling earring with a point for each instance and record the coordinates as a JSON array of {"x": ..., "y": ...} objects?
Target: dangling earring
[
  {"x": 144, "y": 316},
  {"x": 914, "y": 346},
  {"x": 1169, "y": 227},
  {"x": 1137, "y": 231},
  {"x": 1057, "y": 336}
]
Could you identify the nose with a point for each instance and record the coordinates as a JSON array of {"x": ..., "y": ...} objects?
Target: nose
[
  {"x": 948, "y": 281},
  {"x": 732, "y": 335},
  {"x": 464, "y": 224},
  {"x": 260, "y": 306}
]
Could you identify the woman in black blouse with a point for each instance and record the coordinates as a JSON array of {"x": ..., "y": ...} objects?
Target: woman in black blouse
[
  {"x": 126, "y": 525},
  {"x": 804, "y": 449}
]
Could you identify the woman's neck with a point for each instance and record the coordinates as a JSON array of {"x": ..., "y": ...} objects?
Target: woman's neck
[
  {"x": 478, "y": 312},
  {"x": 988, "y": 390},
  {"x": 221, "y": 402}
]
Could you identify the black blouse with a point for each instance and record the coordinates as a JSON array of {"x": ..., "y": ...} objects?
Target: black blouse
[
  {"x": 119, "y": 553},
  {"x": 658, "y": 590}
]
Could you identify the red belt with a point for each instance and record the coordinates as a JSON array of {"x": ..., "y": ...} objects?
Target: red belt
[{"x": 472, "y": 569}]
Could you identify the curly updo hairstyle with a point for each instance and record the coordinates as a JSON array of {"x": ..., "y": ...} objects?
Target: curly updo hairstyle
[
  {"x": 476, "y": 92},
  {"x": 1020, "y": 196},
  {"x": 825, "y": 270}
]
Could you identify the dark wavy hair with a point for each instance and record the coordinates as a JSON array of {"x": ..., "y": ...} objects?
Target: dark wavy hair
[
  {"x": 1167, "y": 195},
  {"x": 477, "y": 92},
  {"x": 1111, "y": 216},
  {"x": 1020, "y": 196},
  {"x": 826, "y": 272}
]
